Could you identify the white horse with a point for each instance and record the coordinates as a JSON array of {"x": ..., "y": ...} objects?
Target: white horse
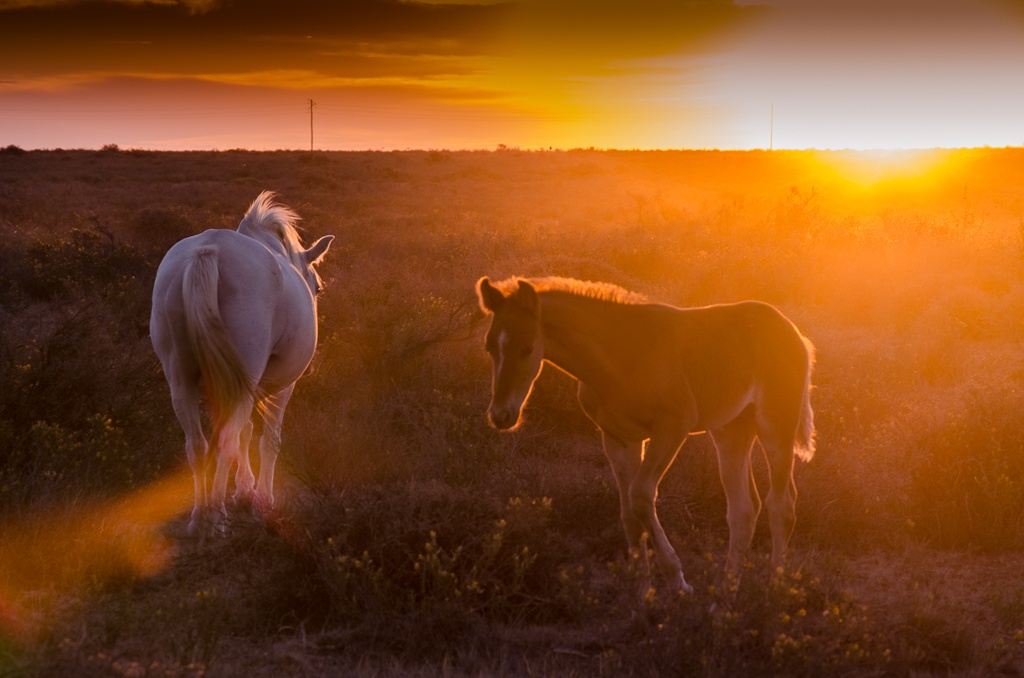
[{"x": 234, "y": 319}]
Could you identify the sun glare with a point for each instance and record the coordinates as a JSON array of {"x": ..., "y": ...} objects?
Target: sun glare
[
  {"x": 871, "y": 168},
  {"x": 48, "y": 555}
]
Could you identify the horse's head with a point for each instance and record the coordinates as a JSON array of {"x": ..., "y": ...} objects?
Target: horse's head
[
  {"x": 310, "y": 258},
  {"x": 516, "y": 348}
]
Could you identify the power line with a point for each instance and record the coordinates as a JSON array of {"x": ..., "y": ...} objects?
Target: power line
[{"x": 312, "y": 104}]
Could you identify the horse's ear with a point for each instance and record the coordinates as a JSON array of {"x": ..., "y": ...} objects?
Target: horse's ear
[
  {"x": 527, "y": 297},
  {"x": 490, "y": 297},
  {"x": 315, "y": 254}
]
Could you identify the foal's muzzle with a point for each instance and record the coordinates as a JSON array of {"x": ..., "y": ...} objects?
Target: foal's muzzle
[{"x": 503, "y": 418}]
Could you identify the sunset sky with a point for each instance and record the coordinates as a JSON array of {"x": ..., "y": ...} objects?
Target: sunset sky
[{"x": 219, "y": 74}]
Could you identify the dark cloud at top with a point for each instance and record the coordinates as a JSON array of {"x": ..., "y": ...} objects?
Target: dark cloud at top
[
  {"x": 618, "y": 29},
  {"x": 1017, "y": 5},
  {"x": 344, "y": 19},
  {"x": 235, "y": 36},
  {"x": 210, "y": 36}
]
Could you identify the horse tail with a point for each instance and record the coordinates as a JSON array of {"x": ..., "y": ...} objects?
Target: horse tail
[
  {"x": 225, "y": 379},
  {"x": 804, "y": 444}
]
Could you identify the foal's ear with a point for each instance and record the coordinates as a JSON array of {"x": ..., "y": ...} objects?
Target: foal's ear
[
  {"x": 527, "y": 297},
  {"x": 489, "y": 296},
  {"x": 315, "y": 254}
]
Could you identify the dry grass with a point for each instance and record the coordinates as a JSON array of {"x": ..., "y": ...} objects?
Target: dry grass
[{"x": 411, "y": 538}]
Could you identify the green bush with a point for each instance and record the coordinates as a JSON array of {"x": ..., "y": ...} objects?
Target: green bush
[
  {"x": 77, "y": 413},
  {"x": 430, "y": 554},
  {"x": 967, "y": 481}
]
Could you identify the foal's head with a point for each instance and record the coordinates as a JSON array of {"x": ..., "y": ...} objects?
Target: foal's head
[{"x": 516, "y": 348}]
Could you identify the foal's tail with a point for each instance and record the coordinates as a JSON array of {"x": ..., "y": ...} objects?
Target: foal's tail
[
  {"x": 224, "y": 377},
  {"x": 804, "y": 445}
]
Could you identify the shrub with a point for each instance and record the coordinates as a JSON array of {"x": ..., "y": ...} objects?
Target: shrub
[
  {"x": 75, "y": 416},
  {"x": 400, "y": 562},
  {"x": 966, "y": 488},
  {"x": 798, "y": 625}
]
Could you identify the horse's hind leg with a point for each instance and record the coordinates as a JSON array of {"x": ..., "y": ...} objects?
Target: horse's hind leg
[
  {"x": 270, "y": 445},
  {"x": 185, "y": 399},
  {"x": 245, "y": 481},
  {"x": 229, "y": 438},
  {"x": 734, "y": 442}
]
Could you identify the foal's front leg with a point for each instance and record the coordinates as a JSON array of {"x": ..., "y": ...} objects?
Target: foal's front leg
[
  {"x": 625, "y": 460},
  {"x": 659, "y": 454}
]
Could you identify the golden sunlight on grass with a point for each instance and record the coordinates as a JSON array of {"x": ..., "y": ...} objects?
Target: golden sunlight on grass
[
  {"x": 870, "y": 168},
  {"x": 54, "y": 553},
  {"x": 409, "y": 538}
]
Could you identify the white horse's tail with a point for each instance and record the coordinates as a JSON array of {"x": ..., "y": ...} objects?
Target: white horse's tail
[
  {"x": 804, "y": 445},
  {"x": 224, "y": 377}
]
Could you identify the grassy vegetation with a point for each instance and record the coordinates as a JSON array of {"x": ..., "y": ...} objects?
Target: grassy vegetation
[{"x": 412, "y": 539}]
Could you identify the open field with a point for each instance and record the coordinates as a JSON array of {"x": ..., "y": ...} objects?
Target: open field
[{"x": 412, "y": 539}]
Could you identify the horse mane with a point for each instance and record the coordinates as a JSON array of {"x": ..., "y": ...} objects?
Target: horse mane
[
  {"x": 267, "y": 216},
  {"x": 601, "y": 291}
]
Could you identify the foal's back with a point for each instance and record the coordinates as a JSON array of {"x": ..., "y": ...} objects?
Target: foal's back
[{"x": 728, "y": 355}]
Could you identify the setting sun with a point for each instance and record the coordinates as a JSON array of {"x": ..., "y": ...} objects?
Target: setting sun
[{"x": 870, "y": 168}]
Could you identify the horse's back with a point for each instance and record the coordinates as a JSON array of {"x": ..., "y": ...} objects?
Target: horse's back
[
  {"x": 171, "y": 272},
  {"x": 248, "y": 284}
]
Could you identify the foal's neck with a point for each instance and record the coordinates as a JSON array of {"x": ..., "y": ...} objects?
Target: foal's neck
[{"x": 573, "y": 330}]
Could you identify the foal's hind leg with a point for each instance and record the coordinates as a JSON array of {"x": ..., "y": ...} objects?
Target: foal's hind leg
[
  {"x": 781, "y": 499},
  {"x": 734, "y": 442}
]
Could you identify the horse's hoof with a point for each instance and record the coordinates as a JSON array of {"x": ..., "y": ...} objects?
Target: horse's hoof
[
  {"x": 681, "y": 587},
  {"x": 243, "y": 502}
]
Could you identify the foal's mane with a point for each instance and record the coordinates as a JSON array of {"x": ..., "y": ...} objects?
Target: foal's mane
[
  {"x": 601, "y": 291},
  {"x": 270, "y": 217}
]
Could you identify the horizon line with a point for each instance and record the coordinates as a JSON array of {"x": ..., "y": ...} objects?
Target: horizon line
[{"x": 504, "y": 148}]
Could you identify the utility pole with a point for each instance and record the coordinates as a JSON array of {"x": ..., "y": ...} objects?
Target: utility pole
[
  {"x": 312, "y": 104},
  {"x": 771, "y": 129}
]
